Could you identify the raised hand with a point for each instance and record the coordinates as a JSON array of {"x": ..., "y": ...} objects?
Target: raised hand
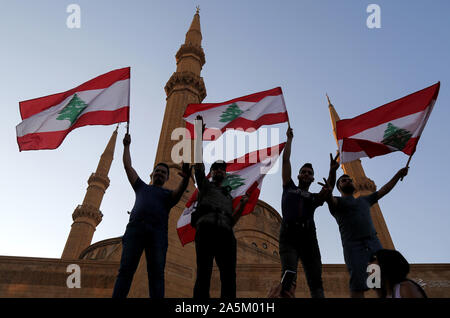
[
  {"x": 326, "y": 189},
  {"x": 199, "y": 117},
  {"x": 402, "y": 172},
  {"x": 127, "y": 140},
  {"x": 244, "y": 199},
  {"x": 334, "y": 162},
  {"x": 289, "y": 133}
]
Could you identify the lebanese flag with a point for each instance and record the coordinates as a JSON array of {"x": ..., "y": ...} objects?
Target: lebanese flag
[
  {"x": 104, "y": 100},
  {"x": 396, "y": 126},
  {"x": 245, "y": 176},
  {"x": 251, "y": 111}
]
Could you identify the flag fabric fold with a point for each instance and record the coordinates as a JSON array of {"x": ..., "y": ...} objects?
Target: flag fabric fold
[
  {"x": 396, "y": 126},
  {"x": 46, "y": 121},
  {"x": 245, "y": 176},
  {"x": 251, "y": 111}
]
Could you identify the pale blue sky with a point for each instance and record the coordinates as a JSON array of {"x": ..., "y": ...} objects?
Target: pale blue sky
[{"x": 306, "y": 47}]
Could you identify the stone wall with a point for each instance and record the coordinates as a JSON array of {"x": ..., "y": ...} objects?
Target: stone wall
[{"x": 45, "y": 277}]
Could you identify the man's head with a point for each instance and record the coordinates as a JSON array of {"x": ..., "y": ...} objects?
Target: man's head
[
  {"x": 306, "y": 175},
  {"x": 218, "y": 171},
  {"x": 345, "y": 184},
  {"x": 160, "y": 174}
]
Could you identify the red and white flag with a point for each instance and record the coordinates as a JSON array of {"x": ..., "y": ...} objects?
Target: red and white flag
[
  {"x": 245, "y": 176},
  {"x": 396, "y": 126},
  {"x": 104, "y": 100},
  {"x": 251, "y": 111}
]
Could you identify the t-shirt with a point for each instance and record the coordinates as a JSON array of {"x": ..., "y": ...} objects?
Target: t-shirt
[
  {"x": 298, "y": 205},
  {"x": 215, "y": 204},
  {"x": 152, "y": 204},
  {"x": 353, "y": 216}
]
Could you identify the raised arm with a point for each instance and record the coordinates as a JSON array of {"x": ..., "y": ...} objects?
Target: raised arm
[
  {"x": 186, "y": 174},
  {"x": 199, "y": 173},
  {"x": 199, "y": 168},
  {"x": 390, "y": 185},
  {"x": 240, "y": 208},
  {"x": 326, "y": 194},
  {"x": 286, "y": 168},
  {"x": 334, "y": 165},
  {"x": 131, "y": 173}
]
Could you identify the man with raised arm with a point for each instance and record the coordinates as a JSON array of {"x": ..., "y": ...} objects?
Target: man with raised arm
[
  {"x": 298, "y": 237},
  {"x": 214, "y": 220},
  {"x": 147, "y": 227},
  {"x": 358, "y": 235}
]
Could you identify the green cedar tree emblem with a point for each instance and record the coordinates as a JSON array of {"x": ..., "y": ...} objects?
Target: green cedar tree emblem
[
  {"x": 396, "y": 137},
  {"x": 72, "y": 110},
  {"x": 231, "y": 113},
  {"x": 233, "y": 180}
]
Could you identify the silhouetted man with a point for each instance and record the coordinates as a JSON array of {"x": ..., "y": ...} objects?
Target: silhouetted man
[
  {"x": 298, "y": 238},
  {"x": 147, "y": 227},
  {"x": 213, "y": 220},
  {"x": 358, "y": 235}
]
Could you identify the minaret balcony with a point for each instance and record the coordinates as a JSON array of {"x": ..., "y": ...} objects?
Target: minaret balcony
[
  {"x": 186, "y": 80},
  {"x": 89, "y": 212},
  {"x": 98, "y": 180},
  {"x": 191, "y": 50}
]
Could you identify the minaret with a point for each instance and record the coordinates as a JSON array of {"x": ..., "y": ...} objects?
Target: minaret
[
  {"x": 184, "y": 87},
  {"x": 364, "y": 186},
  {"x": 87, "y": 216}
]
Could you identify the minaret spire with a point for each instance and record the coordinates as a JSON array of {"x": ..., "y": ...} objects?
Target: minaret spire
[
  {"x": 87, "y": 216},
  {"x": 334, "y": 117},
  {"x": 184, "y": 87},
  {"x": 364, "y": 186},
  {"x": 194, "y": 34}
]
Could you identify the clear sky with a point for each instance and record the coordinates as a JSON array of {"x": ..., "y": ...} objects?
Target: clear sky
[{"x": 309, "y": 48}]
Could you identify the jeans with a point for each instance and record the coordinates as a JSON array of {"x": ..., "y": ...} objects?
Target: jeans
[
  {"x": 138, "y": 237},
  {"x": 219, "y": 243},
  {"x": 299, "y": 241},
  {"x": 357, "y": 256}
]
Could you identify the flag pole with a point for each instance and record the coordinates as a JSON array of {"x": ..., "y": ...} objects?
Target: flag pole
[
  {"x": 129, "y": 93},
  {"x": 407, "y": 164},
  {"x": 409, "y": 160},
  {"x": 287, "y": 114}
]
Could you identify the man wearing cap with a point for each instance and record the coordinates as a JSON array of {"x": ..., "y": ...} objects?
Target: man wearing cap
[{"x": 213, "y": 220}]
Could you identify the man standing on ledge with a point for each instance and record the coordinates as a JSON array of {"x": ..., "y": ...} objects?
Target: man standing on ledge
[
  {"x": 358, "y": 235},
  {"x": 213, "y": 220},
  {"x": 147, "y": 227},
  {"x": 298, "y": 238}
]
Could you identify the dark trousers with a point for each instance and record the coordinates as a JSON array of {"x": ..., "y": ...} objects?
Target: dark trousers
[
  {"x": 137, "y": 238},
  {"x": 357, "y": 256},
  {"x": 299, "y": 241},
  {"x": 215, "y": 242}
]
